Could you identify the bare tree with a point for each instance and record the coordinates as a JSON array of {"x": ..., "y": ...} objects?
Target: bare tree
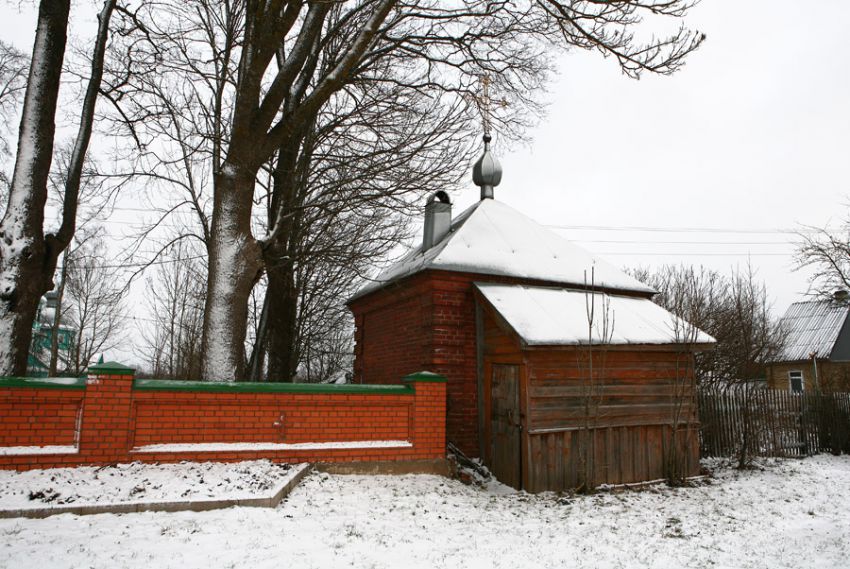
[
  {"x": 28, "y": 256},
  {"x": 344, "y": 201},
  {"x": 592, "y": 356},
  {"x": 171, "y": 336},
  {"x": 95, "y": 199},
  {"x": 754, "y": 339},
  {"x": 13, "y": 77},
  {"x": 94, "y": 306},
  {"x": 688, "y": 302},
  {"x": 827, "y": 253},
  {"x": 734, "y": 309},
  {"x": 343, "y": 190},
  {"x": 277, "y": 64}
]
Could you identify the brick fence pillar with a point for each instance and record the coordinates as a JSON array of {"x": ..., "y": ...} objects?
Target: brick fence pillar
[
  {"x": 105, "y": 425},
  {"x": 429, "y": 418}
]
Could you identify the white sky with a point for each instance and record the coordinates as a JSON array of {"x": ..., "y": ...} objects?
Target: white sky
[
  {"x": 751, "y": 135},
  {"x": 749, "y": 140}
]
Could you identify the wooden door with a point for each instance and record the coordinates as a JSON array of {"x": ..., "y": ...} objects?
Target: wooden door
[{"x": 505, "y": 426}]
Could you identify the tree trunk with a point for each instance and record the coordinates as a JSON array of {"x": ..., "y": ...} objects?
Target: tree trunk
[
  {"x": 235, "y": 263},
  {"x": 258, "y": 352},
  {"x": 282, "y": 322},
  {"x": 57, "y": 319},
  {"x": 286, "y": 213},
  {"x": 26, "y": 264}
]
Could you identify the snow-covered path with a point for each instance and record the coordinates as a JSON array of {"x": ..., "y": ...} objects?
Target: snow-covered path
[{"x": 793, "y": 514}]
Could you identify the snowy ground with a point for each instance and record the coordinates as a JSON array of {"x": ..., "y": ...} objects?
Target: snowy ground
[
  {"x": 136, "y": 482},
  {"x": 791, "y": 514}
]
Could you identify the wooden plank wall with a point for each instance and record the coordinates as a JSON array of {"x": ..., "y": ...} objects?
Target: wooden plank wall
[
  {"x": 776, "y": 422},
  {"x": 616, "y": 455},
  {"x": 499, "y": 347},
  {"x": 611, "y": 426}
]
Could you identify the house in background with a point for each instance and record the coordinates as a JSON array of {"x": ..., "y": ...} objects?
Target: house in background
[
  {"x": 35, "y": 367},
  {"x": 816, "y": 354},
  {"x": 498, "y": 304},
  {"x": 42, "y": 337}
]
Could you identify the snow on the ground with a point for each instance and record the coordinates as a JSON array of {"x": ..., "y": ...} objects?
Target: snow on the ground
[
  {"x": 791, "y": 514},
  {"x": 138, "y": 482},
  {"x": 234, "y": 447}
]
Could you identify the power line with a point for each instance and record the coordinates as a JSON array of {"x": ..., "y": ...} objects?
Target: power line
[
  {"x": 704, "y": 254},
  {"x": 786, "y": 243},
  {"x": 678, "y": 229},
  {"x": 148, "y": 264}
]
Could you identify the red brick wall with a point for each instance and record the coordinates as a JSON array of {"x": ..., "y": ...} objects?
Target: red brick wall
[
  {"x": 454, "y": 355},
  {"x": 424, "y": 322},
  {"x": 116, "y": 420},
  {"x": 299, "y": 418},
  {"x": 392, "y": 334},
  {"x": 105, "y": 430},
  {"x": 39, "y": 417}
]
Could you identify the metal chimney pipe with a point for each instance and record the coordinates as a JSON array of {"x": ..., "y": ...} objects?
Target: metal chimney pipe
[{"x": 438, "y": 219}]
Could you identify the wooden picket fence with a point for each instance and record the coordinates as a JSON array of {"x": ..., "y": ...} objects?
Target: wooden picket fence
[{"x": 772, "y": 422}]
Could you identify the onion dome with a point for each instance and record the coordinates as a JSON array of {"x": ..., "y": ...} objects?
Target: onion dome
[{"x": 487, "y": 172}]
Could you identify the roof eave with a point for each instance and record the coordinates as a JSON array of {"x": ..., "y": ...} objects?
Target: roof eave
[{"x": 620, "y": 346}]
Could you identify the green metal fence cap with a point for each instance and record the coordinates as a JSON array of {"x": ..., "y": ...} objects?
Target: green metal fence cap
[
  {"x": 111, "y": 368},
  {"x": 246, "y": 387},
  {"x": 424, "y": 377}
]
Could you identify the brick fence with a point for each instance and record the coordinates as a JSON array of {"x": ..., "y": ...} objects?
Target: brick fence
[{"x": 109, "y": 417}]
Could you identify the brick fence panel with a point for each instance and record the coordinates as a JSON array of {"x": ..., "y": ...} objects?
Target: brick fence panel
[{"x": 109, "y": 417}]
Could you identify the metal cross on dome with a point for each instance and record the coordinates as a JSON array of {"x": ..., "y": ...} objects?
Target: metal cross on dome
[
  {"x": 484, "y": 103},
  {"x": 486, "y": 172}
]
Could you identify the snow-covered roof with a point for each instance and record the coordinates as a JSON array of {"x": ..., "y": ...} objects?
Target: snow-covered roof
[
  {"x": 545, "y": 316},
  {"x": 812, "y": 327},
  {"x": 492, "y": 238}
]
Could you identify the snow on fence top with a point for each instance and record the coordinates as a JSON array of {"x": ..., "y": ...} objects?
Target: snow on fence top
[
  {"x": 494, "y": 239},
  {"x": 554, "y": 317},
  {"x": 44, "y": 382}
]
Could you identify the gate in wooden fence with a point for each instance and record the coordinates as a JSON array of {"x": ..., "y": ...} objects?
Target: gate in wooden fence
[{"x": 771, "y": 422}]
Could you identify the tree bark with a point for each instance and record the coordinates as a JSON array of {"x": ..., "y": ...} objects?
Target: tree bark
[
  {"x": 282, "y": 342},
  {"x": 26, "y": 265},
  {"x": 235, "y": 264},
  {"x": 286, "y": 214}
]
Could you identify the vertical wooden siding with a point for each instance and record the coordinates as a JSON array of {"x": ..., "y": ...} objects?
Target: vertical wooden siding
[
  {"x": 615, "y": 429},
  {"x": 618, "y": 455}
]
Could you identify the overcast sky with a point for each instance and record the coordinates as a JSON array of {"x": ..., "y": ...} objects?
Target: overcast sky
[
  {"x": 746, "y": 143},
  {"x": 752, "y": 135}
]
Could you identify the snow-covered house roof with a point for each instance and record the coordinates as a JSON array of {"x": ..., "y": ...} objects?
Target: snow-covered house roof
[
  {"x": 815, "y": 327},
  {"x": 546, "y": 316},
  {"x": 491, "y": 238}
]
